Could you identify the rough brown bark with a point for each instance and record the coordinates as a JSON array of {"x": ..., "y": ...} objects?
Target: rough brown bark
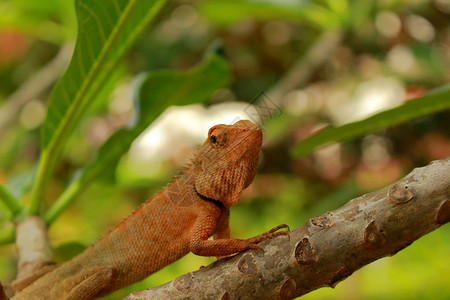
[{"x": 328, "y": 248}]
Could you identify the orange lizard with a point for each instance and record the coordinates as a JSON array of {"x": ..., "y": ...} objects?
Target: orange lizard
[{"x": 179, "y": 219}]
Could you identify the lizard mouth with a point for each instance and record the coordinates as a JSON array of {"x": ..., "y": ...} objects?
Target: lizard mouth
[{"x": 204, "y": 198}]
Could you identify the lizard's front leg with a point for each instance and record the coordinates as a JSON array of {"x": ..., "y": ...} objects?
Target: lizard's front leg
[{"x": 205, "y": 226}]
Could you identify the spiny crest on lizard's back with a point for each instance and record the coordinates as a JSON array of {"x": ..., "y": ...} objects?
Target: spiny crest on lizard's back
[{"x": 181, "y": 189}]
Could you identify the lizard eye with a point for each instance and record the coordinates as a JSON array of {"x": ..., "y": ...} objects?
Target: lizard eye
[{"x": 213, "y": 139}]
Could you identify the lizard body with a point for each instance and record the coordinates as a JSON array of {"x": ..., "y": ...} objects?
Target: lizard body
[{"x": 178, "y": 219}]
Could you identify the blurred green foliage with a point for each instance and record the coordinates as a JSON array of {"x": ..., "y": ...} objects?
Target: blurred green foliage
[
  {"x": 90, "y": 124},
  {"x": 432, "y": 102}
]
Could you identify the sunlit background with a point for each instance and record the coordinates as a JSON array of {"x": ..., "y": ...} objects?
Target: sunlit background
[{"x": 311, "y": 63}]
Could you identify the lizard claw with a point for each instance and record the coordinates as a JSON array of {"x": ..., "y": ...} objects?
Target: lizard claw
[
  {"x": 274, "y": 232},
  {"x": 270, "y": 234},
  {"x": 281, "y": 226}
]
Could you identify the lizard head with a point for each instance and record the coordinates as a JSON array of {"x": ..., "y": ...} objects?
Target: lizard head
[{"x": 226, "y": 162}]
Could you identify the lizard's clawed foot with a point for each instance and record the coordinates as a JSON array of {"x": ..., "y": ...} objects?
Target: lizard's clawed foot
[
  {"x": 281, "y": 226},
  {"x": 274, "y": 231},
  {"x": 269, "y": 234}
]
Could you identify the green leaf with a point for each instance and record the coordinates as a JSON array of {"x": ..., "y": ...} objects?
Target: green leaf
[
  {"x": 340, "y": 7},
  {"x": 158, "y": 90},
  {"x": 7, "y": 235},
  {"x": 21, "y": 183},
  {"x": 432, "y": 102},
  {"x": 226, "y": 12},
  {"x": 50, "y": 20},
  {"x": 230, "y": 12},
  {"x": 106, "y": 30},
  {"x": 8, "y": 200}
]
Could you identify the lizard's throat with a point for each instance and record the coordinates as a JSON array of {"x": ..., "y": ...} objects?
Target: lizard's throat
[{"x": 204, "y": 198}]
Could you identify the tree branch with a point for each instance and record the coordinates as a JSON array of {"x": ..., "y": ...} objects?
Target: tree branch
[
  {"x": 328, "y": 248},
  {"x": 33, "y": 247}
]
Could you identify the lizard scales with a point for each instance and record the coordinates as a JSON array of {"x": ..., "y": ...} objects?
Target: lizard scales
[{"x": 178, "y": 219}]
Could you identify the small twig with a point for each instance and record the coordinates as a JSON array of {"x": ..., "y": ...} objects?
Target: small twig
[
  {"x": 305, "y": 66},
  {"x": 328, "y": 248},
  {"x": 35, "y": 85}
]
